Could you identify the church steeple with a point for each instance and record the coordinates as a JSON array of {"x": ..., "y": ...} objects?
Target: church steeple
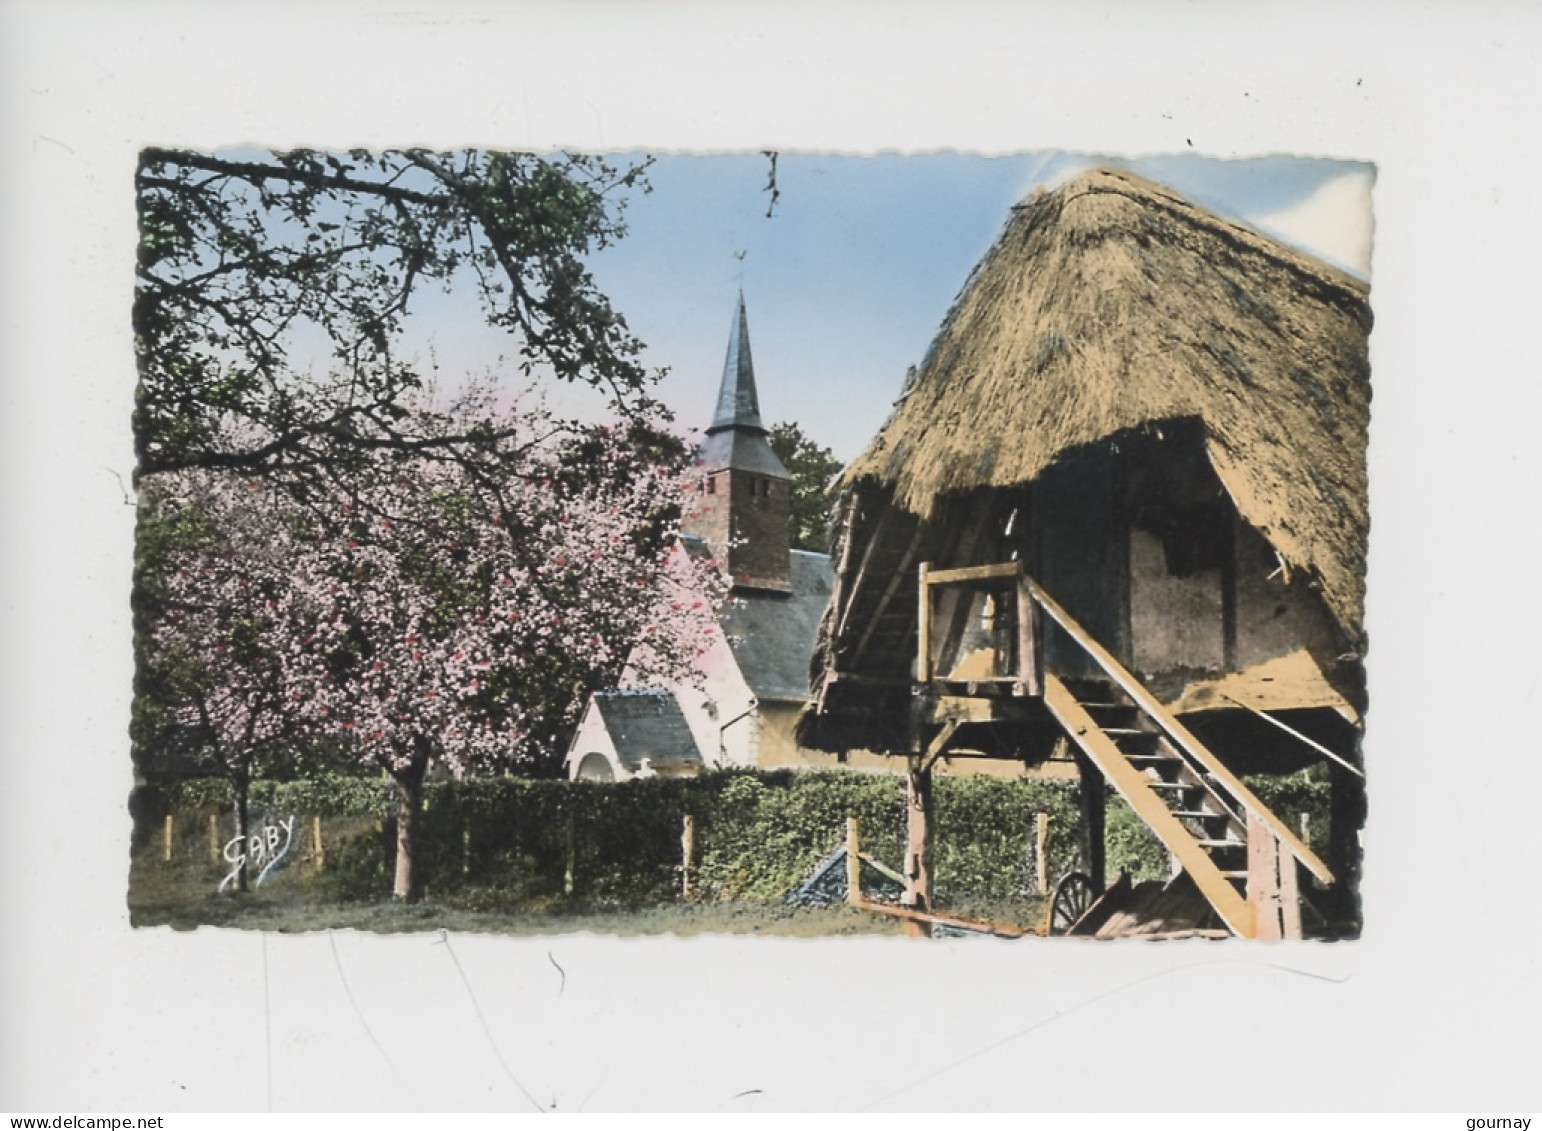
[
  {"x": 738, "y": 406},
  {"x": 743, "y": 503}
]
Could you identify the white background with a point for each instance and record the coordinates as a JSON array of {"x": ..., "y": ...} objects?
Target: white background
[{"x": 1434, "y": 1008}]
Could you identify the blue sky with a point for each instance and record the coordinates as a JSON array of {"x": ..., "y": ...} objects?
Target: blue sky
[{"x": 849, "y": 279}]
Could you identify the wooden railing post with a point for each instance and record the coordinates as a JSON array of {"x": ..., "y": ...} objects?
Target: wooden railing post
[
  {"x": 1030, "y": 661},
  {"x": 1264, "y": 880},
  {"x": 320, "y": 847},
  {"x": 1041, "y": 852},
  {"x": 687, "y": 853},
  {"x": 853, "y": 863},
  {"x": 168, "y": 834},
  {"x": 569, "y": 856}
]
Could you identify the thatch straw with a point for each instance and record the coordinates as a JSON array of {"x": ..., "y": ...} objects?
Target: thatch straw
[{"x": 1112, "y": 303}]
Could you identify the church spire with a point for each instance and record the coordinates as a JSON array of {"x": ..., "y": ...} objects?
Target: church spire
[
  {"x": 742, "y": 510},
  {"x": 738, "y": 406}
]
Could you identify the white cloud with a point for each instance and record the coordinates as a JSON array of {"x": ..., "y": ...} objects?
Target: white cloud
[{"x": 1334, "y": 223}]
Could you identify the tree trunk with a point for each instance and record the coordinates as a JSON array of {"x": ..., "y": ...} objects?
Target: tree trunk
[
  {"x": 241, "y": 786},
  {"x": 409, "y": 812}
]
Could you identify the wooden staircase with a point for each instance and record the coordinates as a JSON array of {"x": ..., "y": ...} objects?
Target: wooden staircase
[{"x": 1221, "y": 835}]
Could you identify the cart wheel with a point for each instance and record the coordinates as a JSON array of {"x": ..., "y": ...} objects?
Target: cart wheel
[{"x": 1073, "y": 895}]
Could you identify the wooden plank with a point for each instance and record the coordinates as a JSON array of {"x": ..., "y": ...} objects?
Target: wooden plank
[
  {"x": 1264, "y": 879},
  {"x": 1030, "y": 661},
  {"x": 998, "y": 929},
  {"x": 1290, "y": 898},
  {"x": 1235, "y": 911},
  {"x": 883, "y": 869},
  {"x": 939, "y": 743},
  {"x": 1180, "y": 735},
  {"x": 967, "y": 574},
  {"x": 1294, "y": 733}
]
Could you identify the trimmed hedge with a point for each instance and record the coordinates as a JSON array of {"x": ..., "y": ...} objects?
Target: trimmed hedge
[{"x": 502, "y": 842}]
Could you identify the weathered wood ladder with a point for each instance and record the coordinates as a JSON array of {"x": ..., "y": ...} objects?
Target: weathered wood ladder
[{"x": 1240, "y": 855}]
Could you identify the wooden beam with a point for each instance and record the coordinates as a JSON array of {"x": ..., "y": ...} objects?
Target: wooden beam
[
  {"x": 1180, "y": 735},
  {"x": 1294, "y": 733},
  {"x": 997, "y": 929},
  {"x": 1030, "y": 661},
  {"x": 918, "y": 837},
  {"x": 883, "y": 869},
  {"x": 939, "y": 743},
  {"x": 968, "y": 574},
  {"x": 898, "y": 578},
  {"x": 977, "y": 524},
  {"x": 1264, "y": 880},
  {"x": 880, "y": 528},
  {"x": 1235, "y": 911},
  {"x": 924, "y": 627}
]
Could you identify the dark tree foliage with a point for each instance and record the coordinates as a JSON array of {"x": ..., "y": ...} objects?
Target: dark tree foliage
[
  {"x": 813, "y": 472},
  {"x": 240, "y": 253}
]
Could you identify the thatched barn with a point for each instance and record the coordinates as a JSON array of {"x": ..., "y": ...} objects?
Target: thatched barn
[{"x": 1157, "y": 418}]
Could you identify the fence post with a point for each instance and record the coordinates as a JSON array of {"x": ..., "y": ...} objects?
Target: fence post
[
  {"x": 166, "y": 837},
  {"x": 853, "y": 863},
  {"x": 1041, "y": 851},
  {"x": 687, "y": 852},
  {"x": 214, "y": 838},
  {"x": 570, "y": 856},
  {"x": 321, "y": 854}
]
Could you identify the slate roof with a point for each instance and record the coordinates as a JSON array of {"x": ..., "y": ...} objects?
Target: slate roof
[
  {"x": 772, "y": 634},
  {"x": 647, "y": 724},
  {"x": 736, "y": 437}
]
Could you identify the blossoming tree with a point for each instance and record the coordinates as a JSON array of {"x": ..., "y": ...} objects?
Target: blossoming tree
[{"x": 456, "y": 611}]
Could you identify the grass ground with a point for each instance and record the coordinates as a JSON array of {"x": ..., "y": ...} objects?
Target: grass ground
[{"x": 181, "y": 894}]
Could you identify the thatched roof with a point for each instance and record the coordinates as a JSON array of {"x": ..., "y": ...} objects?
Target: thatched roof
[{"x": 1112, "y": 303}]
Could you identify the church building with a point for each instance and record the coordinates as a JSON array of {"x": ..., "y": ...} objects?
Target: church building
[{"x": 755, "y": 676}]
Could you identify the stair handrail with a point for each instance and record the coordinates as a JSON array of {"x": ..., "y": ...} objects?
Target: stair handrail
[{"x": 1187, "y": 744}]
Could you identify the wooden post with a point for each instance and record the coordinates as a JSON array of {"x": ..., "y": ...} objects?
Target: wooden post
[
  {"x": 569, "y": 857},
  {"x": 924, "y": 627},
  {"x": 1264, "y": 880},
  {"x": 918, "y": 836},
  {"x": 1041, "y": 852},
  {"x": 1093, "y": 819},
  {"x": 1030, "y": 669},
  {"x": 687, "y": 853},
  {"x": 167, "y": 834},
  {"x": 853, "y": 863},
  {"x": 1290, "y": 897},
  {"x": 215, "y": 853},
  {"x": 316, "y": 843}
]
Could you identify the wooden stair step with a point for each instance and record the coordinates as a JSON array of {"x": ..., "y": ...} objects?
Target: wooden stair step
[{"x": 1211, "y": 843}]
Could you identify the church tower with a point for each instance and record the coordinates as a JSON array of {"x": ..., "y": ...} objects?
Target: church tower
[{"x": 743, "y": 496}]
